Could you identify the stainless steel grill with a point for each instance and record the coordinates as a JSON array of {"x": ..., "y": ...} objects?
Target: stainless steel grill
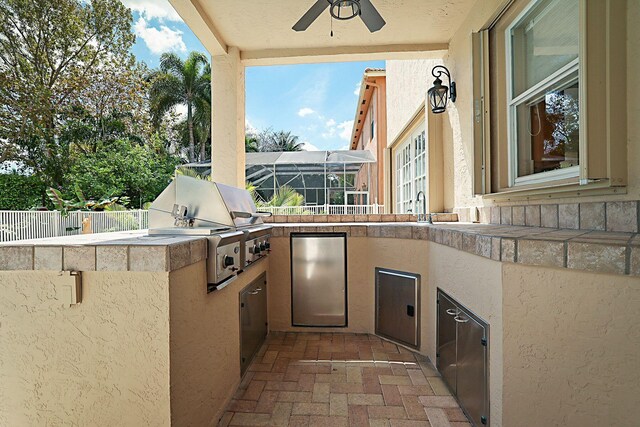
[{"x": 225, "y": 215}]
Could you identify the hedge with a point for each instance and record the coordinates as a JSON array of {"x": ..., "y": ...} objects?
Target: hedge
[{"x": 20, "y": 192}]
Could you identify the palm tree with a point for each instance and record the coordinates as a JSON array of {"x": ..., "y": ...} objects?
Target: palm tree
[
  {"x": 269, "y": 140},
  {"x": 179, "y": 82},
  {"x": 202, "y": 115},
  {"x": 285, "y": 196},
  {"x": 285, "y": 141}
]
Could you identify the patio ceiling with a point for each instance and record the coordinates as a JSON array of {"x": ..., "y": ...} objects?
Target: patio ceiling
[{"x": 261, "y": 29}]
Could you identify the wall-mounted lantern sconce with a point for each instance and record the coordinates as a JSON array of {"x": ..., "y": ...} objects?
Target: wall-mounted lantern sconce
[{"x": 439, "y": 94}]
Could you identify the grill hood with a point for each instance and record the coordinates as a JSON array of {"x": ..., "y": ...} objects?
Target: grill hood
[{"x": 208, "y": 204}]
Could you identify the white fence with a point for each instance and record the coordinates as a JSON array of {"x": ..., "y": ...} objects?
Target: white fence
[
  {"x": 324, "y": 210},
  {"x": 20, "y": 225}
]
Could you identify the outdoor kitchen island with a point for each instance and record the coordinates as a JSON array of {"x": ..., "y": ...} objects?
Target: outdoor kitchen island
[{"x": 147, "y": 345}]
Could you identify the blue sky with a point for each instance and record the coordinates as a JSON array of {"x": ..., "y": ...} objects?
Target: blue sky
[{"x": 317, "y": 102}]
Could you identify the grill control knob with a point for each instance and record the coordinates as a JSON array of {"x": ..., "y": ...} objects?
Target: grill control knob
[
  {"x": 263, "y": 246},
  {"x": 228, "y": 261},
  {"x": 267, "y": 245},
  {"x": 256, "y": 250}
]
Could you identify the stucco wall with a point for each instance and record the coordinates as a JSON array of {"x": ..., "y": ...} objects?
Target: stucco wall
[
  {"x": 83, "y": 365},
  {"x": 571, "y": 348},
  {"x": 408, "y": 81},
  {"x": 140, "y": 349},
  {"x": 407, "y": 85},
  {"x": 228, "y": 118},
  {"x": 205, "y": 344}
]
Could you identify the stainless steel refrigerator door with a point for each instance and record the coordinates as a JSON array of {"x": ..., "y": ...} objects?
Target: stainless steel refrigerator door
[
  {"x": 446, "y": 346},
  {"x": 318, "y": 280},
  {"x": 397, "y": 310},
  {"x": 472, "y": 365}
]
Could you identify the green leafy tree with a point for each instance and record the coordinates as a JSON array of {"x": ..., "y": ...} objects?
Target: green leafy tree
[
  {"x": 50, "y": 52},
  {"x": 188, "y": 83},
  {"x": 81, "y": 203},
  {"x": 113, "y": 107},
  {"x": 123, "y": 169}
]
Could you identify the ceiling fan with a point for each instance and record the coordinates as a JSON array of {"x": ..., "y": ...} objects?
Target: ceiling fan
[{"x": 343, "y": 10}]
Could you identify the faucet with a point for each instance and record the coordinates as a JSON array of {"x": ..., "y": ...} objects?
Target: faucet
[{"x": 424, "y": 216}]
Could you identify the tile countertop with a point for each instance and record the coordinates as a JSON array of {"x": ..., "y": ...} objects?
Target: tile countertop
[
  {"x": 120, "y": 251},
  {"x": 598, "y": 251}
]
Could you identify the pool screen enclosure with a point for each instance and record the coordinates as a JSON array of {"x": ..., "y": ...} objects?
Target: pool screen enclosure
[{"x": 321, "y": 177}]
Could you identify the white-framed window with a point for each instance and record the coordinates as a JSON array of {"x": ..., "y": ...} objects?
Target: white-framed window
[
  {"x": 543, "y": 90},
  {"x": 411, "y": 170},
  {"x": 372, "y": 127},
  {"x": 372, "y": 119}
]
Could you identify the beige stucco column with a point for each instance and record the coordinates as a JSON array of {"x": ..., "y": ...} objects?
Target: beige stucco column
[{"x": 227, "y": 121}]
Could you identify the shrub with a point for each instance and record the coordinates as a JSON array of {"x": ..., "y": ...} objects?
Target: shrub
[{"x": 20, "y": 192}]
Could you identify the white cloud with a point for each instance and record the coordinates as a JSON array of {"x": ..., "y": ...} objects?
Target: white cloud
[
  {"x": 160, "y": 40},
  {"x": 356, "y": 92},
  {"x": 345, "y": 129},
  {"x": 303, "y": 112},
  {"x": 153, "y": 9},
  {"x": 329, "y": 133},
  {"x": 249, "y": 128},
  {"x": 307, "y": 146},
  {"x": 342, "y": 129}
]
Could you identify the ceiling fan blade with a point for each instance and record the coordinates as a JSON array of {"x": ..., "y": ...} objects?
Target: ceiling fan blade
[
  {"x": 370, "y": 16},
  {"x": 311, "y": 15}
]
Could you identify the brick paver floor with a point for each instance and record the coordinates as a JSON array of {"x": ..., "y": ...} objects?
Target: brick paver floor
[{"x": 335, "y": 379}]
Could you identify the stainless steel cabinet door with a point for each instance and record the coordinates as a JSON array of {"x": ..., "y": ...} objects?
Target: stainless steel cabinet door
[
  {"x": 318, "y": 279},
  {"x": 253, "y": 320},
  {"x": 397, "y": 311},
  {"x": 446, "y": 351},
  {"x": 472, "y": 361}
]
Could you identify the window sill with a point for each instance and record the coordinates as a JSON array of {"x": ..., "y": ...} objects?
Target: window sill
[{"x": 555, "y": 190}]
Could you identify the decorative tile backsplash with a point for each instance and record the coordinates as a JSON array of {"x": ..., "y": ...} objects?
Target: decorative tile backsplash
[{"x": 601, "y": 216}]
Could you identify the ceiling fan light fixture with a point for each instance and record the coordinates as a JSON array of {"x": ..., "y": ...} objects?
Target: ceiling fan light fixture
[{"x": 344, "y": 9}]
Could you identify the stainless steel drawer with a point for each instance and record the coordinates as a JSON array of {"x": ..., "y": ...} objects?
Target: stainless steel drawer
[{"x": 253, "y": 320}]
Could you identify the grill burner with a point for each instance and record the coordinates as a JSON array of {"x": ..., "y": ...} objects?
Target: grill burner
[{"x": 225, "y": 215}]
